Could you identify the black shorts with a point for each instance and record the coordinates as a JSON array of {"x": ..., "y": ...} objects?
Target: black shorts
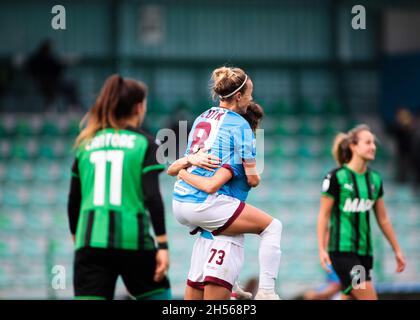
[
  {"x": 351, "y": 268},
  {"x": 96, "y": 271}
]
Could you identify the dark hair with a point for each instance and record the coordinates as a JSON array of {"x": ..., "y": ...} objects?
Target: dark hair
[
  {"x": 226, "y": 80},
  {"x": 254, "y": 115},
  {"x": 115, "y": 103}
]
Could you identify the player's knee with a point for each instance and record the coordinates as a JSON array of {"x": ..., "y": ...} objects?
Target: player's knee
[
  {"x": 277, "y": 226},
  {"x": 274, "y": 228}
]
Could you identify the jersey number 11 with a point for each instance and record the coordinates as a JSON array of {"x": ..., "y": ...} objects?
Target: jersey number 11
[{"x": 99, "y": 159}]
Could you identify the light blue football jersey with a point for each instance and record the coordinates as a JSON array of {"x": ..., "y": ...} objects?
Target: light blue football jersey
[
  {"x": 228, "y": 136},
  {"x": 237, "y": 187}
]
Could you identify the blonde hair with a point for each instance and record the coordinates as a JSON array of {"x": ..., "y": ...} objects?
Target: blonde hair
[
  {"x": 226, "y": 81},
  {"x": 115, "y": 103},
  {"x": 341, "y": 150}
]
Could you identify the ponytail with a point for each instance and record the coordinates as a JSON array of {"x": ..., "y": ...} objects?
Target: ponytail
[
  {"x": 341, "y": 150},
  {"x": 115, "y": 102}
]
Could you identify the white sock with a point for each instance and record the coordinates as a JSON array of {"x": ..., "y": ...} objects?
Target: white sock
[{"x": 269, "y": 255}]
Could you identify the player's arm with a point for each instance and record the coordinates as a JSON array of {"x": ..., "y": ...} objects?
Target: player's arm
[
  {"x": 324, "y": 215},
  {"x": 252, "y": 176},
  {"x": 74, "y": 199},
  {"x": 330, "y": 192},
  {"x": 200, "y": 159},
  {"x": 386, "y": 226},
  {"x": 153, "y": 202},
  {"x": 207, "y": 184}
]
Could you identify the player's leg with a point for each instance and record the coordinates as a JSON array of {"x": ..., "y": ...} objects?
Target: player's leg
[
  {"x": 365, "y": 291},
  {"x": 250, "y": 220},
  {"x": 347, "y": 267},
  {"x": 224, "y": 261},
  {"x": 195, "y": 283},
  {"x": 214, "y": 291},
  {"x": 94, "y": 274},
  {"x": 137, "y": 269},
  {"x": 253, "y": 220},
  {"x": 342, "y": 264},
  {"x": 346, "y": 297},
  {"x": 192, "y": 293},
  {"x": 222, "y": 214}
]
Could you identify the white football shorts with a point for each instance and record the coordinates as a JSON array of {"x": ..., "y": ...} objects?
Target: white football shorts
[
  {"x": 217, "y": 261},
  {"x": 215, "y": 214}
]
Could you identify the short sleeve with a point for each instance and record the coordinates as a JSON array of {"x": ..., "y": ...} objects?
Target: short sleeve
[
  {"x": 381, "y": 191},
  {"x": 75, "y": 169},
  {"x": 236, "y": 170},
  {"x": 150, "y": 158},
  {"x": 330, "y": 187}
]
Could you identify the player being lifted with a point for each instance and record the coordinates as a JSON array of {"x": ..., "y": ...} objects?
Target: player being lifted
[
  {"x": 348, "y": 194},
  {"x": 108, "y": 199},
  {"x": 217, "y": 260},
  {"x": 226, "y": 134}
]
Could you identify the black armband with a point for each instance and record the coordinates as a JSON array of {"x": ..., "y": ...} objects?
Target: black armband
[{"x": 162, "y": 245}]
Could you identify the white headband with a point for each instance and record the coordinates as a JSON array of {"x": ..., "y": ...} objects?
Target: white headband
[{"x": 239, "y": 88}]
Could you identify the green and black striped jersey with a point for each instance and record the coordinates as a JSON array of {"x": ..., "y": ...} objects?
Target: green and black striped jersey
[
  {"x": 354, "y": 196},
  {"x": 112, "y": 210}
]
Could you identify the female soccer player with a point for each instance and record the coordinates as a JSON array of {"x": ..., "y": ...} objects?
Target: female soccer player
[
  {"x": 348, "y": 194},
  {"x": 108, "y": 199},
  {"x": 228, "y": 135},
  {"x": 217, "y": 260}
]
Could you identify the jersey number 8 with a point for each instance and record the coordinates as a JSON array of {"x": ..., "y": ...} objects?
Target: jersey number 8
[{"x": 200, "y": 135}]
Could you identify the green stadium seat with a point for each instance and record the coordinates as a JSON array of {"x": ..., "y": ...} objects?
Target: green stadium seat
[
  {"x": 3, "y": 131},
  {"x": 311, "y": 126},
  {"x": 5, "y": 149},
  {"x": 331, "y": 106},
  {"x": 282, "y": 108},
  {"x": 19, "y": 172},
  {"x": 23, "y": 127},
  {"x": 14, "y": 195},
  {"x": 50, "y": 128},
  {"x": 8, "y": 247},
  {"x": 43, "y": 196},
  {"x": 335, "y": 124},
  {"x": 30, "y": 246},
  {"x": 287, "y": 126},
  {"x": 2, "y": 173},
  {"x": 6, "y": 223},
  {"x": 7, "y": 126},
  {"x": 59, "y": 219},
  {"x": 20, "y": 151},
  {"x": 24, "y": 149},
  {"x": 47, "y": 171},
  {"x": 51, "y": 149},
  {"x": 6, "y": 281},
  {"x": 73, "y": 128},
  {"x": 306, "y": 107}
]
